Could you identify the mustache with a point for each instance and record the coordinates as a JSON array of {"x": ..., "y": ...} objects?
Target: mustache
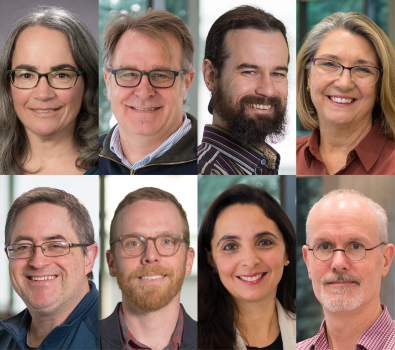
[
  {"x": 147, "y": 269},
  {"x": 343, "y": 276},
  {"x": 260, "y": 100}
]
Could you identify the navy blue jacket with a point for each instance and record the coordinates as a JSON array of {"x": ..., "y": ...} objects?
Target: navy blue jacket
[
  {"x": 180, "y": 159},
  {"x": 111, "y": 336},
  {"x": 80, "y": 331}
]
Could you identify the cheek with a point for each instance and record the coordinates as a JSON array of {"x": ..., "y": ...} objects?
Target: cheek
[{"x": 20, "y": 98}]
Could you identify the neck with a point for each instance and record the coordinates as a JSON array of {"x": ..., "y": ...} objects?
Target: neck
[
  {"x": 136, "y": 147},
  {"x": 43, "y": 322},
  {"x": 336, "y": 142},
  {"x": 152, "y": 328},
  {"x": 343, "y": 329},
  {"x": 258, "y": 322}
]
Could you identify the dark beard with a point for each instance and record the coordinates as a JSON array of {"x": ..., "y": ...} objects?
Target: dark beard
[{"x": 250, "y": 131}]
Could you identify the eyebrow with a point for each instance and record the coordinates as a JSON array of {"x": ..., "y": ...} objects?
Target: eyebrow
[
  {"x": 45, "y": 239},
  {"x": 58, "y": 67},
  {"x": 360, "y": 61},
  {"x": 257, "y": 235},
  {"x": 152, "y": 68},
  {"x": 254, "y": 66}
]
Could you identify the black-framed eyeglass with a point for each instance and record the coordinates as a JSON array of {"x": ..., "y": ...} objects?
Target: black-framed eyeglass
[
  {"x": 50, "y": 249},
  {"x": 61, "y": 79},
  {"x": 158, "y": 78},
  {"x": 360, "y": 75},
  {"x": 353, "y": 251},
  {"x": 165, "y": 245}
]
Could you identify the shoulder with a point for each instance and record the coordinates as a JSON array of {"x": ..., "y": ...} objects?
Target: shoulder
[
  {"x": 209, "y": 159},
  {"x": 287, "y": 322},
  {"x": 302, "y": 141},
  {"x": 189, "y": 336},
  {"x": 305, "y": 344},
  {"x": 101, "y": 139},
  {"x": 110, "y": 331}
]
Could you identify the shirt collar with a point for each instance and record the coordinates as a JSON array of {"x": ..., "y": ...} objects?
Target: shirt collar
[{"x": 225, "y": 142}]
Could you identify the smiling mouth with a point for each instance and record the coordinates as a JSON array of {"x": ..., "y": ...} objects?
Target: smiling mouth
[
  {"x": 45, "y": 110},
  {"x": 252, "y": 278},
  {"x": 152, "y": 277},
  {"x": 342, "y": 100},
  {"x": 43, "y": 278},
  {"x": 258, "y": 106},
  {"x": 146, "y": 109}
]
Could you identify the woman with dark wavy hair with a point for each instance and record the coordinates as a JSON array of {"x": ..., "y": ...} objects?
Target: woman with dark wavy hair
[
  {"x": 246, "y": 273},
  {"x": 49, "y": 96}
]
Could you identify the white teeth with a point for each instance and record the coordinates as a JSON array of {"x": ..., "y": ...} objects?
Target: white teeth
[
  {"x": 151, "y": 277},
  {"x": 254, "y": 278},
  {"x": 44, "y": 110},
  {"x": 341, "y": 100},
  {"x": 42, "y": 278},
  {"x": 260, "y": 106},
  {"x": 145, "y": 109}
]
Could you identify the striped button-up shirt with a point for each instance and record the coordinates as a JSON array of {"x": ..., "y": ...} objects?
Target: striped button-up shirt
[
  {"x": 131, "y": 343},
  {"x": 379, "y": 336},
  {"x": 116, "y": 147},
  {"x": 222, "y": 154}
]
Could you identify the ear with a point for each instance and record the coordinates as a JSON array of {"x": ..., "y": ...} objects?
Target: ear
[
  {"x": 210, "y": 260},
  {"x": 286, "y": 261},
  {"x": 306, "y": 258},
  {"x": 107, "y": 79},
  {"x": 209, "y": 75},
  {"x": 111, "y": 263},
  {"x": 189, "y": 262},
  {"x": 90, "y": 257},
  {"x": 308, "y": 77},
  {"x": 188, "y": 81},
  {"x": 388, "y": 254}
]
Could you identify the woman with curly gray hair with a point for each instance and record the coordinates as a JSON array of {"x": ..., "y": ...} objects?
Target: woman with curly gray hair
[{"x": 49, "y": 99}]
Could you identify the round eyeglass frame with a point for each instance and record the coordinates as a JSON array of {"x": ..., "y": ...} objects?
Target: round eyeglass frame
[
  {"x": 10, "y": 72},
  {"x": 146, "y": 239},
  {"x": 343, "y": 250},
  {"x": 69, "y": 245}
]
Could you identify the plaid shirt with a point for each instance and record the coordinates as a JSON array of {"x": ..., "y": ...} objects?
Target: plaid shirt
[
  {"x": 131, "y": 343},
  {"x": 222, "y": 154},
  {"x": 379, "y": 336}
]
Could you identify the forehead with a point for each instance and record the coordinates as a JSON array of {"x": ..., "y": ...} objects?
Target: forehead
[
  {"x": 138, "y": 50},
  {"x": 39, "y": 46},
  {"x": 348, "y": 48},
  {"x": 149, "y": 218},
  {"x": 256, "y": 47},
  {"x": 244, "y": 221},
  {"x": 39, "y": 221},
  {"x": 343, "y": 217}
]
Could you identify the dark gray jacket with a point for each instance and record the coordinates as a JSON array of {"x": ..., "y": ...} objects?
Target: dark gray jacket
[{"x": 111, "y": 337}]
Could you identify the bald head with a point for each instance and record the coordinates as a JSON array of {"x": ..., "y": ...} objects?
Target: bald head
[{"x": 348, "y": 202}]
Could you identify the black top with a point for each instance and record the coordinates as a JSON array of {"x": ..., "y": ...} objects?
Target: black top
[{"x": 276, "y": 345}]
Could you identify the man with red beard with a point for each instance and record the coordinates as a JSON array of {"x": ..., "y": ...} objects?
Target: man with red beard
[
  {"x": 149, "y": 256},
  {"x": 245, "y": 68},
  {"x": 347, "y": 253}
]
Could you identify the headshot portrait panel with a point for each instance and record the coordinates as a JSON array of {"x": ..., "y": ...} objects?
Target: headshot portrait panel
[
  {"x": 350, "y": 237},
  {"x": 50, "y": 271},
  {"x": 246, "y": 262}
]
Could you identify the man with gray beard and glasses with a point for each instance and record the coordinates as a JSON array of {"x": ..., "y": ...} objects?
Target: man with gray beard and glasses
[
  {"x": 346, "y": 254},
  {"x": 149, "y": 256},
  {"x": 245, "y": 68}
]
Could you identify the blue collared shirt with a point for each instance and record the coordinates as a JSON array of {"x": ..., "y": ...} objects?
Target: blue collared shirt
[{"x": 116, "y": 147}]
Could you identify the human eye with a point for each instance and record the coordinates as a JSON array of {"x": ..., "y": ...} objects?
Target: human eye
[
  {"x": 230, "y": 246},
  {"x": 161, "y": 75},
  {"x": 132, "y": 243},
  {"x": 363, "y": 70},
  {"x": 56, "y": 245},
  {"x": 355, "y": 246},
  {"x": 250, "y": 74},
  {"x": 265, "y": 242},
  {"x": 323, "y": 246},
  {"x": 23, "y": 247},
  {"x": 23, "y": 74}
]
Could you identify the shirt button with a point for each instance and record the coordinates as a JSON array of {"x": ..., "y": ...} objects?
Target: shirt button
[
  {"x": 352, "y": 154},
  {"x": 264, "y": 161}
]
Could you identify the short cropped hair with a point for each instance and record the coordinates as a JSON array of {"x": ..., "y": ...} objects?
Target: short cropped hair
[
  {"x": 79, "y": 216},
  {"x": 150, "y": 194},
  {"x": 381, "y": 215},
  {"x": 361, "y": 25},
  {"x": 157, "y": 25},
  {"x": 242, "y": 17}
]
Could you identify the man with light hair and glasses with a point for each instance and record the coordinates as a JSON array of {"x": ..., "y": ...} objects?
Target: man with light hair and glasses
[
  {"x": 147, "y": 67},
  {"x": 150, "y": 256},
  {"x": 347, "y": 253},
  {"x": 50, "y": 245}
]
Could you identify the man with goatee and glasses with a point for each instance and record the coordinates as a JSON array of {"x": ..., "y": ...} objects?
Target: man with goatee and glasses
[
  {"x": 346, "y": 254},
  {"x": 245, "y": 67},
  {"x": 149, "y": 256}
]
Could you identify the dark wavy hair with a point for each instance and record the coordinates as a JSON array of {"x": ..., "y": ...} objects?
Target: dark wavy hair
[
  {"x": 216, "y": 313},
  {"x": 14, "y": 144}
]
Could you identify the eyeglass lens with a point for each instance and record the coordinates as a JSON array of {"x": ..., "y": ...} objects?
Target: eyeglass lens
[
  {"x": 361, "y": 75},
  {"x": 353, "y": 251},
  {"x": 23, "y": 251},
  {"x": 60, "y": 79},
  {"x": 136, "y": 245},
  {"x": 157, "y": 78}
]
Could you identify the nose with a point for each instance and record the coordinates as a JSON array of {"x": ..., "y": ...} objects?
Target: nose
[
  {"x": 344, "y": 81},
  {"x": 151, "y": 255},
  {"x": 144, "y": 90},
  {"x": 250, "y": 257},
  {"x": 39, "y": 260},
  {"x": 265, "y": 85},
  {"x": 43, "y": 91},
  {"x": 339, "y": 261}
]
